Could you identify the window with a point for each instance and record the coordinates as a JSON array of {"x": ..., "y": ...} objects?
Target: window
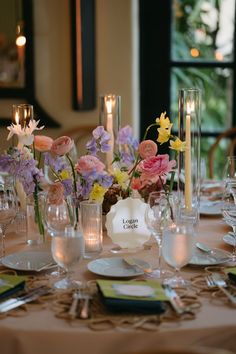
[{"x": 189, "y": 43}]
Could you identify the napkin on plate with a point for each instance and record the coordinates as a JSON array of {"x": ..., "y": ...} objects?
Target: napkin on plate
[
  {"x": 231, "y": 272},
  {"x": 10, "y": 284},
  {"x": 133, "y": 296}
]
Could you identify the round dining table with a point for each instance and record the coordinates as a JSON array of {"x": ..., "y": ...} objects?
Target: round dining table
[{"x": 39, "y": 331}]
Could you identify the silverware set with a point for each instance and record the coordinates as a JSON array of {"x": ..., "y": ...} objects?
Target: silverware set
[
  {"x": 80, "y": 306},
  {"x": 176, "y": 301},
  {"x": 216, "y": 280},
  {"x": 30, "y": 296}
]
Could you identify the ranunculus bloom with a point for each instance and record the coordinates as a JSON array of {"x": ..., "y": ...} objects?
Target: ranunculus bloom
[
  {"x": 56, "y": 193},
  {"x": 147, "y": 148},
  {"x": 88, "y": 164},
  {"x": 155, "y": 167},
  {"x": 42, "y": 143},
  {"x": 62, "y": 145}
]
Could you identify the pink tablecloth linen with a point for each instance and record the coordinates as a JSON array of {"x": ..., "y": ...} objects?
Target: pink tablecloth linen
[{"x": 40, "y": 332}]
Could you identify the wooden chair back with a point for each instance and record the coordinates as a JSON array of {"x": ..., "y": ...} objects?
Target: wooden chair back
[{"x": 231, "y": 134}]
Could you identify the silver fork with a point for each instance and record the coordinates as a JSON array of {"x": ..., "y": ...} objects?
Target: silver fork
[
  {"x": 85, "y": 309},
  {"x": 210, "y": 281},
  {"x": 73, "y": 308},
  {"x": 218, "y": 281}
]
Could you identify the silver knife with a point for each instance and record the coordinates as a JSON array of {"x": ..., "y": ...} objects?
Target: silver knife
[
  {"x": 175, "y": 301},
  {"x": 10, "y": 304},
  {"x": 210, "y": 252}
]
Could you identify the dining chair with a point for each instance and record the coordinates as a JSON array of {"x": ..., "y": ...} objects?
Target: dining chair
[
  {"x": 81, "y": 135},
  {"x": 228, "y": 134}
]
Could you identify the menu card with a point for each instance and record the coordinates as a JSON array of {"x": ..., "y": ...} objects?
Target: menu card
[
  {"x": 133, "y": 296},
  {"x": 10, "y": 284}
]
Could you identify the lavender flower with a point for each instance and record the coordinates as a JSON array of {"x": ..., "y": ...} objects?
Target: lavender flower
[
  {"x": 125, "y": 137},
  {"x": 99, "y": 142},
  {"x": 58, "y": 163}
]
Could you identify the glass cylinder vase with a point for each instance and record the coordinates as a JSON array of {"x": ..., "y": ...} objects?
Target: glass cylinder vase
[
  {"x": 34, "y": 219},
  {"x": 189, "y": 125},
  {"x": 109, "y": 117}
]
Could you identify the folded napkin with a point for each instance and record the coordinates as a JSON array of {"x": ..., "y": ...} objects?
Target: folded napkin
[
  {"x": 133, "y": 296},
  {"x": 10, "y": 284},
  {"x": 231, "y": 272}
]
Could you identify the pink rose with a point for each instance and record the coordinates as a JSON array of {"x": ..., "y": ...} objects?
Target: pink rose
[
  {"x": 89, "y": 163},
  {"x": 147, "y": 148},
  {"x": 42, "y": 143},
  {"x": 56, "y": 193},
  {"x": 62, "y": 145},
  {"x": 156, "y": 166}
]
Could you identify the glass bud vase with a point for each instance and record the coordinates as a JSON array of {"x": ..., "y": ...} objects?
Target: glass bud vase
[
  {"x": 34, "y": 219},
  {"x": 189, "y": 160}
]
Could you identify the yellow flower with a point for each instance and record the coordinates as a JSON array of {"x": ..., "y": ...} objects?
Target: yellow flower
[
  {"x": 177, "y": 145},
  {"x": 164, "y": 135},
  {"x": 164, "y": 121},
  {"x": 97, "y": 192},
  {"x": 121, "y": 177},
  {"x": 64, "y": 174}
]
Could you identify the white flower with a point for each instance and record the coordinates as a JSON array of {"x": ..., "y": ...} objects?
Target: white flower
[{"x": 24, "y": 134}]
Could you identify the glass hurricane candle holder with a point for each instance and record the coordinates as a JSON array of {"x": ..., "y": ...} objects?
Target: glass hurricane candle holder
[
  {"x": 109, "y": 117},
  {"x": 91, "y": 226},
  {"x": 22, "y": 114},
  {"x": 189, "y": 160}
]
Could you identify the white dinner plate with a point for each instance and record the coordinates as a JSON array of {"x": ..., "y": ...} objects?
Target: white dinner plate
[
  {"x": 229, "y": 239},
  {"x": 28, "y": 260},
  {"x": 204, "y": 259},
  {"x": 116, "y": 267},
  {"x": 210, "y": 207}
]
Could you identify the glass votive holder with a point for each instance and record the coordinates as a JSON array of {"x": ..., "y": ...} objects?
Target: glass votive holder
[{"x": 91, "y": 226}]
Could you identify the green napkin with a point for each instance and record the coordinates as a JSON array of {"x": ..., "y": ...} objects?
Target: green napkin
[
  {"x": 231, "y": 273},
  {"x": 10, "y": 284},
  {"x": 152, "y": 303}
]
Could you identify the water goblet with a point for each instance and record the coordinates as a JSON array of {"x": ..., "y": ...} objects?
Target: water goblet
[
  {"x": 8, "y": 210},
  {"x": 159, "y": 212},
  {"x": 56, "y": 218},
  {"x": 67, "y": 249},
  {"x": 228, "y": 209},
  {"x": 178, "y": 247},
  {"x": 229, "y": 176}
]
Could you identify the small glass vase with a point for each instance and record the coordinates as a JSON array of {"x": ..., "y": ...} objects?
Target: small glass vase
[
  {"x": 189, "y": 160},
  {"x": 34, "y": 219}
]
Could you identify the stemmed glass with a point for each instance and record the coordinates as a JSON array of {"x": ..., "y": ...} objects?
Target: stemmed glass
[
  {"x": 67, "y": 249},
  {"x": 229, "y": 176},
  {"x": 57, "y": 217},
  {"x": 178, "y": 247},
  {"x": 160, "y": 210},
  {"x": 228, "y": 210},
  {"x": 8, "y": 210}
]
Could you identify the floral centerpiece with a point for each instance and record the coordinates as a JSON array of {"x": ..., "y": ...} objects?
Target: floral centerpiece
[{"x": 137, "y": 167}]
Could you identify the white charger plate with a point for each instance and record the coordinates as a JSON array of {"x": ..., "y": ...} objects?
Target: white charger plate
[
  {"x": 28, "y": 260},
  {"x": 204, "y": 259},
  {"x": 229, "y": 239},
  {"x": 116, "y": 267},
  {"x": 210, "y": 207}
]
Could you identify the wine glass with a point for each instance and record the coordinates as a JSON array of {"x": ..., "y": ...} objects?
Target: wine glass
[
  {"x": 67, "y": 249},
  {"x": 8, "y": 210},
  {"x": 160, "y": 210},
  {"x": 229, "y": 176},
  {"x": 56, "y": 218},
  {"x": 178, "y": 247},
  {"x": 228, "y": 209}
]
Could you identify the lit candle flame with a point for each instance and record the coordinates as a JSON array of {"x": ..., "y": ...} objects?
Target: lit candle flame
[{"x": 17, "y": 119}]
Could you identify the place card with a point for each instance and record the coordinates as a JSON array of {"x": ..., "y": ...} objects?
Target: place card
[{"x": 126, "y": 225}]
